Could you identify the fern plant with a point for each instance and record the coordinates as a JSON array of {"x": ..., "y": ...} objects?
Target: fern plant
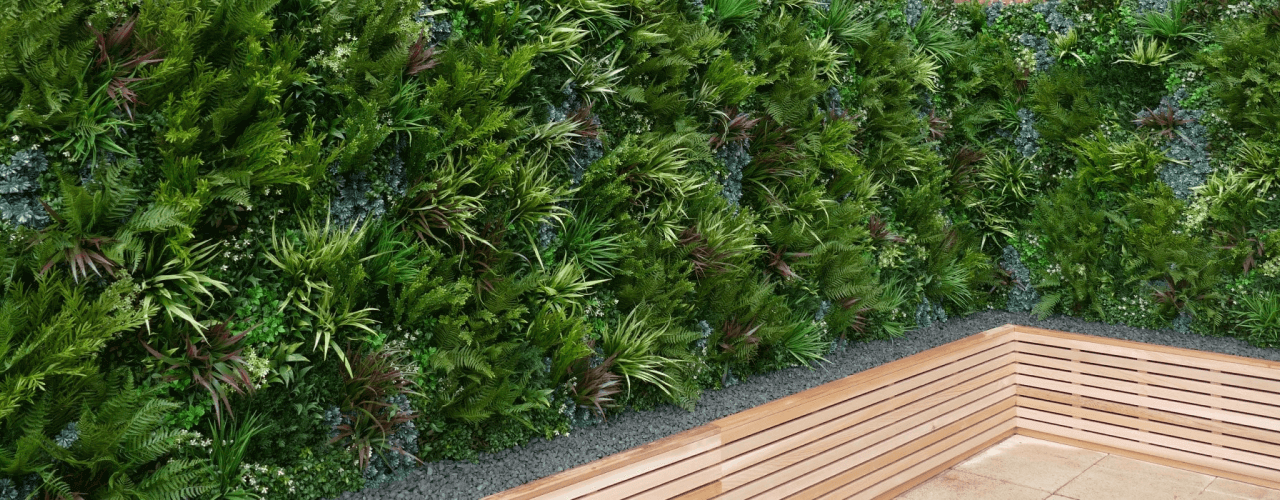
[
  {"x": 51, "y": 331},
  {"x": 122, "y": 451},
  {"x": 98, "y": 224}
]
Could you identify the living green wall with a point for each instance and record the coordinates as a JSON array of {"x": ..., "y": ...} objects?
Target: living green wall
[{"x": 348, "y": 232}]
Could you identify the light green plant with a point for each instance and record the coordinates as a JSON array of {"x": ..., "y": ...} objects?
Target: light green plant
[
  {"x": 732, "y": 12},
  {"x": 51, "y": 332},
  {"x": 179, "y": 282},
  {"x": 230, "y": 441},
  {"x": 840, "y": 21},
  {"x": 632, "y": 344},
  {"x": 802, "y": 340},
  {"x": 1172, "y": 24},
  {"x": 1147, "y": 52},
  {"x": 1064, "y": 44}
]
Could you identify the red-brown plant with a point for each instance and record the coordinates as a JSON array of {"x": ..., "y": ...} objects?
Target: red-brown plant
[
  {"x": 121, "y": 50},
  {"x": 879, "y": 230},
  {"x": 211, "y": 360},
  {"x": 735, "y": 129},
  {"x": 368, "y": 418},
  {"x": 595, "y": 386},
  {"x": 738, "y": 334},
  {"x": 1165, "y": 121},
  {"x": 421, "y": 57}
]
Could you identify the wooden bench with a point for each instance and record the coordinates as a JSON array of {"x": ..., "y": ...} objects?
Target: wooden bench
[{"x": 880, "y": 432}]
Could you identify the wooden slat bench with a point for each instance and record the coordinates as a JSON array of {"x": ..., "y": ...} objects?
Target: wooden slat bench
[{"x": 879, "y": 433}]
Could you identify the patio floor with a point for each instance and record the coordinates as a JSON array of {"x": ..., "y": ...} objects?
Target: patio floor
[{"x": 1026, "y": 468}]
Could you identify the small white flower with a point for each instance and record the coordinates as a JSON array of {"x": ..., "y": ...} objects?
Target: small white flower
[{"x": 15, "y": 138}]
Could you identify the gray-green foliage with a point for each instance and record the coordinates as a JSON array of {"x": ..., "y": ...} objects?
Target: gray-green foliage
[{"x": 20, "y": 189}]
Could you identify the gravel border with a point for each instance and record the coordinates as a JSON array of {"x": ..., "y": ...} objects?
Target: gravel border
[{"x": 539, "y": 458}]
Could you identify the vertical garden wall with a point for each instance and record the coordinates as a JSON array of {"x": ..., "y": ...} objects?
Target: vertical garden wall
[{"x": 291, "y": 248}]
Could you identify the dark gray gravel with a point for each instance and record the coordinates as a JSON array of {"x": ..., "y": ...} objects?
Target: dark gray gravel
[{"x": 539, "y": 458}]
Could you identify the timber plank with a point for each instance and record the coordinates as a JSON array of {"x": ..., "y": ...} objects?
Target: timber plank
[
  {"x": 762, "y": 457},
  {"x": 1205, "y": 443},
  {"x": 880, "y": 432},
  {"x": 1180, "y": 371},
  {"x": 1028, "y": 395}
]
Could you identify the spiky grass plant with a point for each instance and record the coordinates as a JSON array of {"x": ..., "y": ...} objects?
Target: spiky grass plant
[
  {"x": 230, "y": 441},
  {"x": 633, "y": 344},
  {"x": 802, "y": 341},
  {"x": 1147, "y": 52},
  {"x": 1258, "y": 318},
  {"x": 840, "y": 22},
  {"x": 1173, "y": 24},
  {"x": 587, "y": 239}
]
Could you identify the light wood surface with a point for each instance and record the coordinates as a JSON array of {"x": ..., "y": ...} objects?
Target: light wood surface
[{"x": 876, "y": 434}]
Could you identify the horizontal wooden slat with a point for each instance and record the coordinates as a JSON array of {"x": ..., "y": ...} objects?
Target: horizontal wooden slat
[
  {"x": 968, "y": 384},
  {"x": 600, "y": 473},
  {"x": 1191, "y": 440},
  {"x": 737, "y": 427},
  {"x": 1145, "y": 401},
  {"x": 1260, "y": 368},
  {"x": 1232, "y": 410},
  {"x": 1185, "y": 372},
  {"x": 960, "y": 443},
  {"x": 877, "y": 433},
  {"x": 807, "y": 463},
  {"x": 1270, "y": 438},
  {"x": 1164, "y": 381}
]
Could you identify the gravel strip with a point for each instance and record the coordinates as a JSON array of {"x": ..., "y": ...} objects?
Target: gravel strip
[{"x": 539, "y": 458}]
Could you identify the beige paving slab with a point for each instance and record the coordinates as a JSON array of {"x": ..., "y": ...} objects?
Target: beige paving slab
[
  {"x": 1032, "y": 462},
  {"x": 1119, "y": 478},
  {"x": 1226, "y": 489},
  {"x": 958, "y": 485}
]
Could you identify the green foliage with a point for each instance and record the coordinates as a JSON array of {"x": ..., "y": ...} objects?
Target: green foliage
[
  {"x": 1147, "y": 52},
  {"x": 230, "y": 440},
  {"x": 323, "y": 266},
  {"x": 51, "y": 332},
  {"x": 1065, "y": 105},
  {"x": 1243, "y": 69},
  {"x": 1106, "y": 166},
  {"x": 1258, "y": 319},
  {"x": 122, "y": 451},
  {"x": 1172, "y": 24},
  {"x": 214, "y": 363},
  {"x": 632, "y": 346},
  {"x": 597, "y": 204}
]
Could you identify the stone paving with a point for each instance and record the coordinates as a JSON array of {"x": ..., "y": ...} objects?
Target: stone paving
[{"x": 1024, "y": 468}]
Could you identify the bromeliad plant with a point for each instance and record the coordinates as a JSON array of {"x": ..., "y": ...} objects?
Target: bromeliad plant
[
  {"x": 368, "y": 417},
  {"x": 594, "y": 385},
  {"x": 213, "y": 362}
]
